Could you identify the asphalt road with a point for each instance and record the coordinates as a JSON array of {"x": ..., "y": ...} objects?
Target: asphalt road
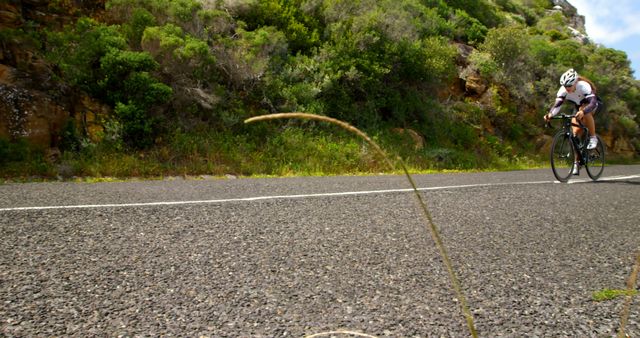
[{"x": 300, "y": 256}]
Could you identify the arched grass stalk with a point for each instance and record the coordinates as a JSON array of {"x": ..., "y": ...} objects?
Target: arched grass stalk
[
  {"x": 430, "y": 227},
  {"x": 631, "y": 286},
  {"x": 332, "y": 333}
]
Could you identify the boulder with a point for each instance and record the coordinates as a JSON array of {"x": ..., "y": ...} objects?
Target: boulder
[
  {"x": 475, "y": 85},
  {"x": 463, "y": 53}
]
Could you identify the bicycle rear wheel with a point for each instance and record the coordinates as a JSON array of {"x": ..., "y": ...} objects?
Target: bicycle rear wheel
[
  {"x": 595, "y": 162},
  {"x": 562, "y": 156}
]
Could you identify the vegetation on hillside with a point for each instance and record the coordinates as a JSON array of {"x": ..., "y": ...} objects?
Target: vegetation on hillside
[{"x": 182, "y": 75}]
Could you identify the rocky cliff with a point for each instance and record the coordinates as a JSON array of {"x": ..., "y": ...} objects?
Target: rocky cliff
[{"x": 33, "y": 104}]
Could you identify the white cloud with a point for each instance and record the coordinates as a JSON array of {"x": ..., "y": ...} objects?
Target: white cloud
[{"x": 609, "y": 22}]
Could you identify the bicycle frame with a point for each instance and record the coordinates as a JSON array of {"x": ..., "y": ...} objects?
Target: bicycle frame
[{"x": 578, "y": 142}]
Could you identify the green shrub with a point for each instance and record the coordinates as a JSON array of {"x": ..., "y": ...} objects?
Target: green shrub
[
  {"x": 509, "y": 48},
  {"x": 97, "y": 61},
  {"x": 629, "y": 126},
  {"x": 302, "y": 31},
  {"x": 70, "y": 138},
  {"x": 78, "y": 51},
  {"x": 18, "y": 158},
  {"x": 555, "y": 21},
  {"x": 556, "y": 35},
  {"x": 177, "y": 11},
  {"x": 135, "y": 27},
  {"x": 570, "y": 54},
  {"x": 483, "y": 63},
  {"x": 482, "y": 10},
  {"x": 543, "y": 51},
  {"x": 11, "y": 152},
  {"x": 137, "y": 127}
]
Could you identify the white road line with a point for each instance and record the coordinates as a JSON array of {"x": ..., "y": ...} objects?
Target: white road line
[
  {"x": 611, "y": 178},
  {"x": 276, "y": 197}
]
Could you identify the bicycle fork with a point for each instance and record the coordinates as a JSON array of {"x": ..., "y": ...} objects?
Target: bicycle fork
[{"x": 577, "y": 148}]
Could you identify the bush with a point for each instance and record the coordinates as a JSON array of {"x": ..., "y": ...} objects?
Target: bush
[
  {"x": 179, "y": 53},
  {"x": 629, "y": 126},
  {"x": 137, "y": 128},
  {"x": 570, "y": 54},
  {"x": 302, "y": 31},
  {"x": 176, "y": 11},
  {"x": 79, "y": 49},
  {"x": 135, "y": 27},
  {"x": 246, "y": 59},
  {"x": 553, "y": 22},
  {"x": 543, "y": 51},
  {"x": 482, "y": 10},
  {"x": 98, "y": 62},
  {"x": 509, "y": 48},
  {"x": 467, "y": 29},
  {"x": 10, "y": 152},
  {"x": 483, "y": 63},
  {"x": 18, "y": 158}
]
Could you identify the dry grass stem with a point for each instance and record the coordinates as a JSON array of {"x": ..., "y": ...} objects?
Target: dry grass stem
[
  {"x": 331, "y": 333},
  {"x": 631, "y": 286},
  {"x": 430, "y": 227}
]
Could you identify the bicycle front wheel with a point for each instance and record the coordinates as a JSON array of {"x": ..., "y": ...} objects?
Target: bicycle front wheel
[
  {"x": 562, "y": 156},
  {"x": 595, "y": 160}
]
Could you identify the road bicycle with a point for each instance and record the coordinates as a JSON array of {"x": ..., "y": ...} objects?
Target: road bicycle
[{"x": 568, "y": 149}]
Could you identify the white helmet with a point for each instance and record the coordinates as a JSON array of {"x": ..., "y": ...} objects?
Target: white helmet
[{"x": 568, "y": 78}]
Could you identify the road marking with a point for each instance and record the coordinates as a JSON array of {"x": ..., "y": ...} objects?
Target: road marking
[
  {"x": 277, "y": 197},
  {"x": 611, "y": 178}
]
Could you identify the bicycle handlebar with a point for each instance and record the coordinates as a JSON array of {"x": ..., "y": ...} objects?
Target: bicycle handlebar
[{"x": 562, "y": 117}]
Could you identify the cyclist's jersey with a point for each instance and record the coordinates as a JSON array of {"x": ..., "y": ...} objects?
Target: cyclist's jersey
[{"x": 582, "y": 95}]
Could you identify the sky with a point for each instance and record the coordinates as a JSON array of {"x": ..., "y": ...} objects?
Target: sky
[{"x": 614, "y": 24}]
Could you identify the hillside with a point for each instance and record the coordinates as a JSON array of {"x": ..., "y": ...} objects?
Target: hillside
[{"x": 161, "y": 87}]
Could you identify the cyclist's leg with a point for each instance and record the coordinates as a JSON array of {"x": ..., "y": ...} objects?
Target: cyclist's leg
[
  {"x": 590, "y": 123},
  {"x": 577, "y": 131}
]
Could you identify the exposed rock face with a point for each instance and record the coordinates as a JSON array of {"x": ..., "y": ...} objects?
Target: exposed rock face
[
  {"x": 32, "y": 104},
  {"x": 618, "y": 145},
  {"x": 39, "y": 115},
  {"x": 576, "y": 25},
  {"x": 475, "y": 85},
  {"x": 575, "y": 21},
  {"x": 30, "y": 114}
]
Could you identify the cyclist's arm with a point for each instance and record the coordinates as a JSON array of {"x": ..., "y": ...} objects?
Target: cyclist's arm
[
  {"x": 555, "y": 109},
  {"x": 590, "y": 101},
  {"x": 591, "y": 104}
]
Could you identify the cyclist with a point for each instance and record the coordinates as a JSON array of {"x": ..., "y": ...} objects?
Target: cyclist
[{"x": 582, "y": 93}]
